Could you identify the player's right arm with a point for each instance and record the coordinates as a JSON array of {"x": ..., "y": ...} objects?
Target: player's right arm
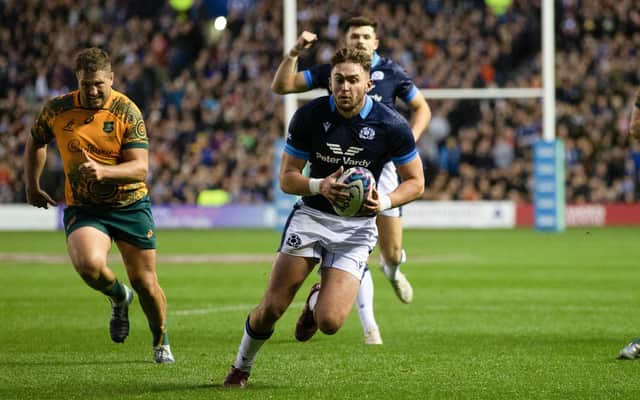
[
  {"x": 634, "y": 125},
  {"x": 287, "y": 78},
  {"x": 35, "y": 157},
  {"x": 293, "y": 181}
]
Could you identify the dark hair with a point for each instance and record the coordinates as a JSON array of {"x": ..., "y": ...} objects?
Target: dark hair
[
  {"x": 92, "y": 59},
  {"x": 360, "y": 21},
  {"x": 352, "y": 55}
]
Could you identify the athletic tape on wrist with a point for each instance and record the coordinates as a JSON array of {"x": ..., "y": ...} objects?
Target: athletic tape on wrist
[
  {"x": 314, "y": 185},
  {"x": 385, "y": 202}
]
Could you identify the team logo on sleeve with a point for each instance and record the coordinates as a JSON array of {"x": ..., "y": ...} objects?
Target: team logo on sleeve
[
  {"x": 377, "y": 76},
  {"x": 108, "y": 126},
  {"x": 294, "y": 241},
  {"x": 367, "y": 133}
]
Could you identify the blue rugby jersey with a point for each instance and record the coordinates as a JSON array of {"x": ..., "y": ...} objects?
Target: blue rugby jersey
[
  {"x": 390, "y": 81},
  {"x": 319, "y": 134}
]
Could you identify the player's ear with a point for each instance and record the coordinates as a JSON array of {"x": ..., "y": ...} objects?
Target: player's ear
[{"x": 369, "y": 84}]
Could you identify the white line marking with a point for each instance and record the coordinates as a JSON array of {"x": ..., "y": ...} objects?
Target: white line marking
[{"x": 222, "y": 309}]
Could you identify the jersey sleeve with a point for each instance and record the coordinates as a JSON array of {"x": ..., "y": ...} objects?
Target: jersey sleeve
[
  {"x": 135, "y": 135},
  {"x": 298, "y": 138},
  {"x": 41, "y": 131},
  {"x": 318, "y": 76},
  {"x": 403, "y": 143},
  {"x": 406, "y": 90}
]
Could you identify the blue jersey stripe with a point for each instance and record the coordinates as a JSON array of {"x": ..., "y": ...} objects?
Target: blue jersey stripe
[
  {"x": 368, "y": 105},
  {"x": 308, "y": 78},
  {"x": 289, "y": 149},
  {"x": 405, "y": 159},
  {"x": 375, "y": 59},
  {"x": 411, "y": 95}
]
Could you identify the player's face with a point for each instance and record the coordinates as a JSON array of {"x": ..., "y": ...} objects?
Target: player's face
[
  {"x": 349, "y": 84},
  {"x": 362, "y": 38},
  {"x": 95, "y": 87}
]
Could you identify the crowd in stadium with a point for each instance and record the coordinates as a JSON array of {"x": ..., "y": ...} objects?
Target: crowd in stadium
[{"x": 212, "y": 118}]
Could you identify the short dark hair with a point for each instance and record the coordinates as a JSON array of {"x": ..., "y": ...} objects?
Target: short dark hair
[
  {"x": 92, "y": 59},
  {"x": 352, "y": 55},
  {"x": 360, "y": 21}
]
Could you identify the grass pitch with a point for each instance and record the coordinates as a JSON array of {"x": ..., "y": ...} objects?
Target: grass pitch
[{"x": 504, "y": 314}]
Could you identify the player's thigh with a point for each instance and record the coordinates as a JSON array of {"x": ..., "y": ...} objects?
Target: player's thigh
[
  {"x": 88, "y": 247},
  {"x": 337, "y": 295},
  {"x": 287, "y": 275},
  {"x": 389, "y": 231}
]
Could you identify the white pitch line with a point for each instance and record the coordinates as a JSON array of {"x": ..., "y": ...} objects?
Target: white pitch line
[
  {"x": 431, "y": 307},
  {"x": 256, "y": 259},
  {"x": 221, "y": 309}
]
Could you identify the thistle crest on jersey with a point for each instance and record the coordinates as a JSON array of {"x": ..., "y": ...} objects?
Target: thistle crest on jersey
[{"x": 367, "y": 133}]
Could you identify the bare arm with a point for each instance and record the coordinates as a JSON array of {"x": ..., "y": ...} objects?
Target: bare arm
[
  {"x": 35, "y": 157},
  {"x": 634, "y": 126},
  {"x": 420, "y": 115},
  {"x": 133, "y": 168},
  {"x": 287, "y": 78},
  {"x": 410, "y": 189},
  {"x": 292, "y": 181}
]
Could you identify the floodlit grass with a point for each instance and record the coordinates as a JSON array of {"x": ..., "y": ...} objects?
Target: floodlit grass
[{"x": 512, "y": 314}]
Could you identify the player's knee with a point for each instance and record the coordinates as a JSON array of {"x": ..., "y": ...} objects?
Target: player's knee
[
  {"x": 327, "y": 324},
  {"x": 144, "y": 284},
  {"x": 90, "y": 268}
]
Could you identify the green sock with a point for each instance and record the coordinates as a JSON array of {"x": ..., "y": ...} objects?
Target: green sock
[
  {"x": 160, "y": 335},
  {"x": 116, "y": 291}
]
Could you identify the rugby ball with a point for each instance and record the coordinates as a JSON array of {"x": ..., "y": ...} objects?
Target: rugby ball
[{"x": 360, "y": 182}]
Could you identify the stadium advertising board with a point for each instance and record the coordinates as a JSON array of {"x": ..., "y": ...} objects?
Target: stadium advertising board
[
  {"x": 419, "y": 214},
  {"x": 459, "y": 214}
]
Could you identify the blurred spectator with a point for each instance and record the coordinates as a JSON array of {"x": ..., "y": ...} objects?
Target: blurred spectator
[{"x": 212, "y": 118}]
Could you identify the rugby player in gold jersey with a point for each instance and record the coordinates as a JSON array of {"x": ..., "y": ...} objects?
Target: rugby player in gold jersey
[{"x": 102, "y": 140}]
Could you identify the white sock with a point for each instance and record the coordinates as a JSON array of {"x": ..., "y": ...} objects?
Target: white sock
[
  {"x": 364, "y": 302},
  {"x": 249, "y": 345},
  {"x": 313, "y": 300},
  {"x": 390, "y": 270}
]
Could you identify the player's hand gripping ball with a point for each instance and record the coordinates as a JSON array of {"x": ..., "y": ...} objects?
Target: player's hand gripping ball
[{"x": 360, "y": 182}]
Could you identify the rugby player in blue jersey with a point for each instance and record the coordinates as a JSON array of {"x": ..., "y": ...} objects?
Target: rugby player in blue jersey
[
  {"x": 389, "y": 81},
  {"x": 320, "y": 134}
]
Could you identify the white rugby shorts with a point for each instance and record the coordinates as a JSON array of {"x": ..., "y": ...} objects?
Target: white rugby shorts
[
  {"x": 387, "y": 183},
  {"x": 340, "y": 242}
]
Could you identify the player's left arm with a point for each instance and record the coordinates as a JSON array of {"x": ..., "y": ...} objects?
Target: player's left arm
[
  {"x": 420, "y": 114},
  {"x": 410, "y": 189},
  {"x": 407, "y": 91}
]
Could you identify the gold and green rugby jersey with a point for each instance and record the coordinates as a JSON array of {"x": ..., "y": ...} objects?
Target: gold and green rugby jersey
[{"x": 103, "y": 133}]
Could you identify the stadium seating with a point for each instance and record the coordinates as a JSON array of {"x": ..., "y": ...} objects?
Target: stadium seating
[{"x": 212, "y": 118}]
